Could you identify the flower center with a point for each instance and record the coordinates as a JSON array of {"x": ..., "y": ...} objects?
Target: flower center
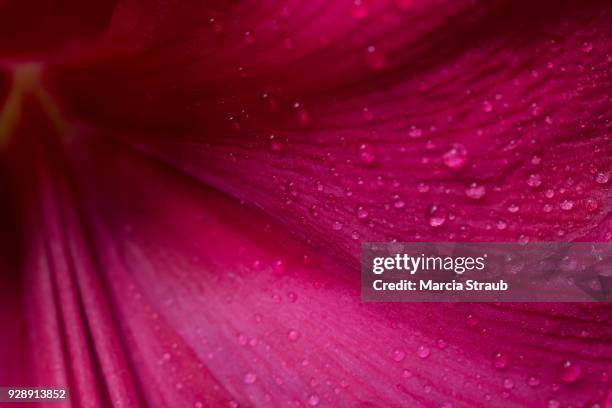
[{"x": 26, "y": 82}]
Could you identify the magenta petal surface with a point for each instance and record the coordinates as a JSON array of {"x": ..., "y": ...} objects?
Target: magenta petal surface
[{"x": 188, "y": 185}]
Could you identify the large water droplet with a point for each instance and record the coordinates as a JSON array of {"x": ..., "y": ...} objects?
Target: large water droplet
[{"x": 456, "y": 157}]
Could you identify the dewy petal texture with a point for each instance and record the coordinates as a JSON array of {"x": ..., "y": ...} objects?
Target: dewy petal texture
[
  {"x": 319, "y": 125},
  {"x": 484, "y": 122},
  {"x": 220, "y": 305}
]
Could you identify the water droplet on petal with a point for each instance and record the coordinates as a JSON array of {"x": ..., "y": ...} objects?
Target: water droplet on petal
[
  {"x": 471, "y": 320},
  {"x": 602, "y": 178},
  {"x": 279, "y": 266},
  {"x": 569, "y": 372},
  {"x": 367, "y": 153},
  {"x": 360, "y": 9},
  {"x": 313, "y": 400},
  {"x": 553, "y": 403},
  {"x": 293, "y": 335},
  {"x": 533, "y": 381},
  {"x": 487, "y": 106},
  {"x": 436, "y": 215},
  {"x": 361, "y": 212},
  {"x": 250, "y": 378},
  {"x": 456, "y": 157},
  {"x": 423, "y": 351},
  {"x": 276, "y": 145},
  {"x": 476, "y": 191},
  {"x": 375, "y": 57},
  {"x": 249, "y": 38},
  {"x": 508, "y": 384},
  {"x": 567, "y": 205},
  {"x": 500, "y": 360},
  {"x": 591, "y": 204},
  {"x": 534, "y": 180},
  {"x": 292, "y": 296},
  {"x": 587, "y": 47},
  {"x": 399, "y": 203},
  {"x": 513, "y": 208},
  {"x": 398, "y": 355},
  {"x": 415, "y": 132},
  {"x": 337, "y": 226}
]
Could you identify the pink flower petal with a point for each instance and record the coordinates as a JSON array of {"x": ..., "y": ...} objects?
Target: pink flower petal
[{"x": 207, "y": 316}]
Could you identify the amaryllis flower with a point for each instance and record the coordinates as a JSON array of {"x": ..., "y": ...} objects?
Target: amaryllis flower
[{"x": 185, "y": 186}]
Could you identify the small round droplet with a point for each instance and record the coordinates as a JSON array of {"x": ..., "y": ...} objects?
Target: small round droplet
[
  {"x": 293, "y": 335},
  {"x": 292, "y": 296},
  {"x": 250, "y": 378},
  {"x": 471, "y": 320},
  {"x": 569, "y": 372},
  {"x": 508, "y": 384},
  {"x": 313, "y": 400},
  {"x": 249, "y": 38},
  {"x": 567, "y": 205},
  {"x": 398, "y": 355},
  {"x": 415, "y": 132},
  {"x": 360, "y": 9},
  {"x": 367, "y": 153},
  {"x": 487, "y": 106},
  {"x": 276, "y": 145},
  {"x": 361, "y": 212},
  {"x": 602, "y": 178},
  {"x": 423, "y": 352},
  {"x": 476, "y": 191},
  {"x": 533, "y": 381},
  {"x": 553, "y": 403},
  {"x": 534, "y": 180},
  {"x": 513, "y": 208},
  {"x": 500, "y": 360},
  {"x": 591, "y": 204},
  {"x": 337, "y": 226},
  {"x": 456, "y": 157},
  {"x": 279, "y": 266},
  {"x": 398, "y": 203},
  {"x": 587, "y": 47},
  {"x": 375, "y": 57},
  {"x": 436, "y": 215}
]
